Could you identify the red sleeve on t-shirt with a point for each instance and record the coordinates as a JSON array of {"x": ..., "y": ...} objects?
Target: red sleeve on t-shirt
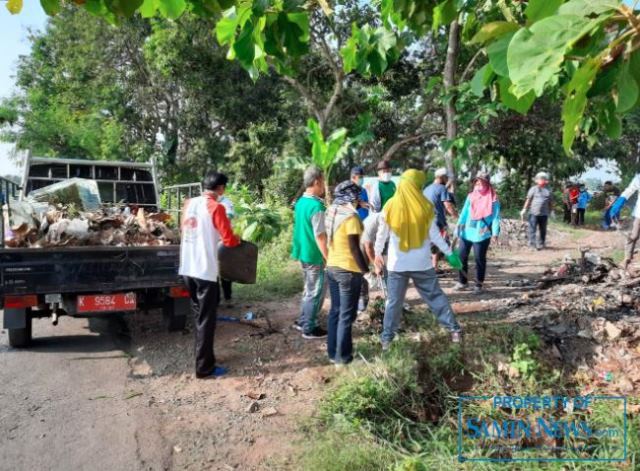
[{"x": 222, "y": 224}]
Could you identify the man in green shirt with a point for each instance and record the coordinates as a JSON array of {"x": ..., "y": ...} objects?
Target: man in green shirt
[
  {"x": 310, "y": 249},
  {"x": 383, "y": 190}
]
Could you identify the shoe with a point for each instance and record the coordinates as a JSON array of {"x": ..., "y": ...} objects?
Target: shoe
[
  {"x": 332, "y": 361},
  {"x": 216, "y": 373},
  {"x": 316, "y": 333},
  {"x": 477, "y": 289},
  {"x": 385, "y": 346},
  {"x": 456, "y": 337},
  {"x": 297, "y": 325},
  {"x": 460, "y": 286}
]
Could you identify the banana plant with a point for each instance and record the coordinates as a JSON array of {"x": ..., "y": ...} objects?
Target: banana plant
[{"x": 325, "y": 153}]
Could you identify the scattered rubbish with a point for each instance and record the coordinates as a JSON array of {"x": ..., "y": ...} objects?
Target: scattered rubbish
[
  {"x": 80, "y": 192},
  {"x": 177, "y": 449},
  {"x": 269, "y": 412},
  {"x": 133, "y": 394},
  {"x": 606, "y": 376},
  {"x": 250, "y": 316},
  {"x": 253, "y": 407},
  {"x": 257, "y": 396}
]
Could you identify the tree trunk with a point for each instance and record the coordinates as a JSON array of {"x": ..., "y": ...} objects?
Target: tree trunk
[{"x": 449, "y": 80}]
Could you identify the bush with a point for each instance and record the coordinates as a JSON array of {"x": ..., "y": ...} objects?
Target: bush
[{"x": 278, "y": 276}]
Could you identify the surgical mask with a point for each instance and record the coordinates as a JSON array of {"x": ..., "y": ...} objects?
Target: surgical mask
[{"x": 385, "y": 177}]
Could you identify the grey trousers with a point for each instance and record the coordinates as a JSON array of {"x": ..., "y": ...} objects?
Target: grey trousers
[
  {"x": 426, "y": 282},
  {"x": 632, "y": 239},
  {"x": 315, "y": 289}
]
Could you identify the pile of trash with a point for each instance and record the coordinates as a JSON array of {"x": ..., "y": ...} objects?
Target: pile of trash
[
  {"x": 70, "y": 214},
  {"x": 513, "y": 233},
  {"x": 589, "y": 268}
]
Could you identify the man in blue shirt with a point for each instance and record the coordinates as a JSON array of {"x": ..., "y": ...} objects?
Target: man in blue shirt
[
  {"x": 357, "y": 176},
  {"x": 442, "y": 200}
]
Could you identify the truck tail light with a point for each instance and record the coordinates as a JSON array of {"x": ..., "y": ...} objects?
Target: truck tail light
[
  {"x": 178, "y": 292},
  {"x": 19, "y": 302}
]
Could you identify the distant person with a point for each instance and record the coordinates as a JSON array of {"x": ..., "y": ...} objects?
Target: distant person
[
  {"x": 408, "y": 222},
  {"x": 574, "y": 194},
  {"x": 584, "y": 197},
  {"x": 479, "y": 223},
  {"x": 357, "y": 177},
  {"x": 616, "y": 208},
  {"x": 444, "y": 204},
  {"x": 566, "y": 203},
  {"x": 383, "y": 190},
  {"x": 540, "y": 203},
  {"x": 310, "y": 249},
  {"x": 611, "y": 193},
  {"x": 345, "y": 268},
  {"x": 204, "y": 226}
]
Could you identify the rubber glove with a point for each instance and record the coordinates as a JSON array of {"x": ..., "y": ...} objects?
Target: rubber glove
[
  {"x": 454, "y": 260},
  {"x": 523, "y": 213},
  {"x": 616, "y": 207}
]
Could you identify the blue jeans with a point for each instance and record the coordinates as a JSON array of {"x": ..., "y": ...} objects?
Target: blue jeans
[
  {"x": 315, "y": 287},
  {"x": 426, "y": 282},
  {"x": 344, "y": 288}
]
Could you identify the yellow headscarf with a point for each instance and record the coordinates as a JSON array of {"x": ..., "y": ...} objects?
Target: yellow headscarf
[{"x": 409, "y": 214}]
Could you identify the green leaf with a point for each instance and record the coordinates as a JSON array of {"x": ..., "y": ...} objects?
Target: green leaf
[
  {"x": 244, "y": 47},
  {"x": 493, "y": 30},
  {"x": 171, "y": 9},
  {"x": 481, "y": 79},
  {"x": 627, "y": 90},
  {"x": 613, "y": 128},
  {"x": 576, "y": 101},
  {"x": 14, "y": 6},
  {"x": 124, "y": 8},
  {"x": 588, "y": 7},
  {"x": 497, "y": 52},
  {"x": 149, "y": 8},
  {"x": 226, "y": 27},
  {"x": 444, "y": 13},
  {"x": 536, "y": 53},
  {"x": 521, "y": 105},
  {"x": 51, "y": 7},
  {"x": 539, "y": 9},
  {"x": 605, "y": 80}
]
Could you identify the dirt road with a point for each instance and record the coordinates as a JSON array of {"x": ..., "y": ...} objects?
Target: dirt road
[
  {"x": 122, "y": 396},
  {"x": 64, "y": 402}
]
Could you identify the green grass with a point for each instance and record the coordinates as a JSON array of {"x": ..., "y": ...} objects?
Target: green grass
[
  {"x": 398, "y": 410},
  {"x": 278, "y": 276}
]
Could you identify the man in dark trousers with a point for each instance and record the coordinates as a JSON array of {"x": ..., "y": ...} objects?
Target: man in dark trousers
[{"x": 204, "y": 225}]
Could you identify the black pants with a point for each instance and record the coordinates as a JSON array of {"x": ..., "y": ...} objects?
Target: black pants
[
  {"x": 205, "y": 296},
  {"x": 226, "y": 289},
  {"x": 580, "y": 216},
  {"x": 567, "y": 213},
  {"x": 480, "y": 255},
  {"x": 535, "y": 223}
]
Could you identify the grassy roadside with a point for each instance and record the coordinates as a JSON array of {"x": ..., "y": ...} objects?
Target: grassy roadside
[
  {"x": 398, "y": 411},
  {"x": 278, "y": 277}
]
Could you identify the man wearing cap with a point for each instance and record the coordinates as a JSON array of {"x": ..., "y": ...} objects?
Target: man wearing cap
[
  {"x": 384, "y": 190},
  {"x": 357, "y": 177},
  {"x": 443, "y": 202},
  {"x": 540, "y": 203}
]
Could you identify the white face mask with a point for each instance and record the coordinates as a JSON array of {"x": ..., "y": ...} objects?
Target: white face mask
[{"x": 385, "y": 177}]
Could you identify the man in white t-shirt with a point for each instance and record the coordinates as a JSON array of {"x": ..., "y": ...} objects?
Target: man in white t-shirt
[{"x": 204, "y": 226}]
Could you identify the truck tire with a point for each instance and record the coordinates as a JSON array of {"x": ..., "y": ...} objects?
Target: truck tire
[
  {"x": 175, "y": 313},
  {"x": 19, "y": 338}
]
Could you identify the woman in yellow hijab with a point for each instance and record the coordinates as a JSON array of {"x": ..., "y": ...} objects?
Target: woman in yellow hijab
[
  {"x": 408, "y": 224},
  {"x": 409, "y": 214}
]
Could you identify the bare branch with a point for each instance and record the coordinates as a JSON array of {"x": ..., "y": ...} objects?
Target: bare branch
[
  {"x": 397, "y": 146},
  {"x": 312, "y": 105},
  {"x": 469, "y": 67}
]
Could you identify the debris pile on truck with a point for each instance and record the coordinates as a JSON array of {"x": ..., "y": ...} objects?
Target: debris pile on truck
[{"x": 70, "y": 214}]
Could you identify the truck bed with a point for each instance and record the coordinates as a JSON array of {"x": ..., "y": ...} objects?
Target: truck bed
[{"x": 87, "y": 269}]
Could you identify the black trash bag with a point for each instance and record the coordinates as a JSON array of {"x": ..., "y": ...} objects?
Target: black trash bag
[{"x": 239, "y": 264}]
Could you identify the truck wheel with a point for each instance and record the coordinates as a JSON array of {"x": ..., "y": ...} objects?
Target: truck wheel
[
  {"x": 21, "y": 337},
  {"x": 175, "y": 313}
]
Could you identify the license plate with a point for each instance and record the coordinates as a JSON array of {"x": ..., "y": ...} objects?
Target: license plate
[{"x": 107, "y": 302}]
